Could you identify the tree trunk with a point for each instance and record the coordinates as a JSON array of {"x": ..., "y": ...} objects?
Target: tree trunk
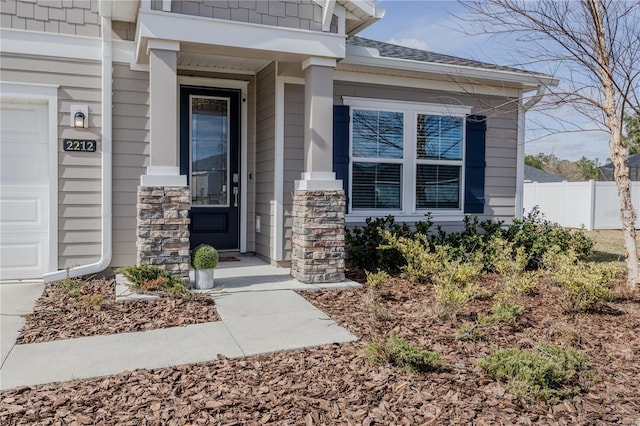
[
  {"x": 617, "y": 145},
  {"x": 627, "y": 212}
]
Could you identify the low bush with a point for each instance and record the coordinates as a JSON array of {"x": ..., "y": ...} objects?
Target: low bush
[
  {"x": 71, "y": 286},
  {"x": 529, "y": 238},
  {"x": 152, "y": 278},
  {"x": 376, "y": 279},
  {"x": 373, "y": 282},
  {"x": 500, "y": 313},
  {"x": 419, "y": 260},
  {"x": 452, "y": 278},
  {"x": 363, "y": 245},
  {"x": 584, "y": 285},
  {"x": 537, "y": 236},
  {"x": 474, "y": 237},
  {"x": 398, "y": 352},
  {"x": 549, "y": 373}
]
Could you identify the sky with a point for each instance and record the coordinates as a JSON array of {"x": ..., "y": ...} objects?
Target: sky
[{"x": 432, "y": 25}]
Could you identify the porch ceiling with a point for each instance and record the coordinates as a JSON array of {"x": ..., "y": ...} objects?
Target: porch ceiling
[{"x": 190, "y": 60}]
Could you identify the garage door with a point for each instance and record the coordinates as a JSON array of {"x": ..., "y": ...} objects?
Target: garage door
[{"x": 24, "y": 190}]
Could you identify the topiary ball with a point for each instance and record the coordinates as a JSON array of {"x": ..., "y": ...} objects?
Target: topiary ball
[{"x": 204, "y": 257}]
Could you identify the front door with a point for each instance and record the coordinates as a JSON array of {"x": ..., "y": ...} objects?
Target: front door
[{"x": 209, "y": 157}]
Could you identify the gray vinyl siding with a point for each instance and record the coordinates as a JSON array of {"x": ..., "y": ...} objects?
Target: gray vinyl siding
[
  {"x": 130, "y": 156},
  {"x": 264, "y": 165},
  {"x": 299, "y": 14},
  {"x": 123, "y": 30},
  {"x": 77, "y": 17},
  {"x": 293, "y": 154},
  {"x": 79, "y": 208},
  {"x": 501, "y": 142}
]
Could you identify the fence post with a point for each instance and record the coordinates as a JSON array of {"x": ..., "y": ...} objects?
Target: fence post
[
  {"x": 592, "y": 204},
  {"x": 564, "y": 203}
]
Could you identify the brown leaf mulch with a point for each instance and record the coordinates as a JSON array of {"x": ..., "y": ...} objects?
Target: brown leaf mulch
[
  {"x": 58, "y": 315},
  {"x": 336, "y": 385}
]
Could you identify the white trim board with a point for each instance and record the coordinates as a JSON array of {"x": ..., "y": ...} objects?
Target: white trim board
[
  {"x": 43, "y": 93},
  {"x": 278, "y": 172},
  {"x": 409, "y": 160},
  {"x": 257, "y": 38},
  {"x": 423, "y": 83},
  {"x": 50, "y": 44}
]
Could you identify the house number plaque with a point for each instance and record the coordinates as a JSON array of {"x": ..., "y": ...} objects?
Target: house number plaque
[{"x": 79, "y": 145}]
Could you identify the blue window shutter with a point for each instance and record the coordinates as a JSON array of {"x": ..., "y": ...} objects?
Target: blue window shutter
[
  {"x": 474, "y": 164},
  {"x": 341, "y": 145}
]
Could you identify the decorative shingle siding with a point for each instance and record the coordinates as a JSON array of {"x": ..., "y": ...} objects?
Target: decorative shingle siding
[
  {"x": 300, "y": 14},
  {"x": 74, "y": 17}
]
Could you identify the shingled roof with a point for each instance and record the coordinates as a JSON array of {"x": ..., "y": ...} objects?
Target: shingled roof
[
  {"x": 388, "y": 50},
  {"x": 537, "y": 175}
]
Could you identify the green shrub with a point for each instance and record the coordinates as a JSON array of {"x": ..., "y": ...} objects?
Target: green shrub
[
  {"x": 419, "y": 260},
  {"x": 452, "y": 278},
  {"x": 376, "y": 279},
  {"x": 584, "y": 285},
  {"x": 146, "y": 278},
  {"x": 549, "y": 373},
  {"x": 399, "y": 353},
  {"x": 451, "y": 297},
  {"x": 474, "y": 237},
  {"x": 362, "y": 245},
  {"x": 538, "y": 235},
  {"x": 71, "y": 286},
  {"x": 204, "y": 257},
  {"x": 500, "y": 313}
]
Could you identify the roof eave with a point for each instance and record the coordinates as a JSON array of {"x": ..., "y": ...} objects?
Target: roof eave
[{"x": 527, "y": 81}]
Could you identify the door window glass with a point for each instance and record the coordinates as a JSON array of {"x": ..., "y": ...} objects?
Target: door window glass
[{"x": 209, "y": 151}]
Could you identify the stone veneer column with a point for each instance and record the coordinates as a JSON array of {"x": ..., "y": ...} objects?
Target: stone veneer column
[
  {"x": 163, "y": 228},
  {"x": 317, "y": 239}
]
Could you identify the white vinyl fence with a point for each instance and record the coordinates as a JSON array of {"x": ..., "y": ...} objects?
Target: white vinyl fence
[{"x": 591, "y": 204}]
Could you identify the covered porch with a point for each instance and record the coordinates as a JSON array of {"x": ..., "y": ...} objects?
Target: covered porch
[{"x": 248, "y": 213}]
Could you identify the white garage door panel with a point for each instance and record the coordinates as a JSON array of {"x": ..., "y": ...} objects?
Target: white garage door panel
[
  {"x": 24, "y": 192},
  {"x": 16, "y": 211},
  {"x": 18, "y": 254}
]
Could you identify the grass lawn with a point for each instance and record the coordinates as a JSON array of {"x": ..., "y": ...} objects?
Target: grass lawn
[{"x": 609, "y": 245}]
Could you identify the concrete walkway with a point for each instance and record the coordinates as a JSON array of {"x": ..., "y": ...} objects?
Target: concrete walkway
[{"x": 260, "y": 314}]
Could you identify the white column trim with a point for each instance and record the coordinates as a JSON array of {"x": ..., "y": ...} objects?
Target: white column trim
[
  {"x": 166, "y": 5},
  {"x": 318, "y": 61},
  {"x": 47, "y": 93},
  {"x": 171, "y": 45},
  {"x": 278, "y": 171}
]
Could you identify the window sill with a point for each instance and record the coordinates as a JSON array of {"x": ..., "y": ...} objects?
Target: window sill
[{"x": 436, "y": 216}]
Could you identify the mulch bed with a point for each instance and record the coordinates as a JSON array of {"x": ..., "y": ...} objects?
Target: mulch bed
[
  {"x": 336, "y": 385},
  {"x": 58, "y": 315}
]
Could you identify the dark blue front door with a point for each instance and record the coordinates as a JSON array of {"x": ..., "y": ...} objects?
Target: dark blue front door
[{"x": 209, "y": 157}]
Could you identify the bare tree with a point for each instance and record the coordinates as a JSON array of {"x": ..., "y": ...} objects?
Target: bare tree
[{"x": 596, "y": 44}]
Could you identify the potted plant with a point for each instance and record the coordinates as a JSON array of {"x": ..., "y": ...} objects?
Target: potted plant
[{"x": 203, "y": 259}]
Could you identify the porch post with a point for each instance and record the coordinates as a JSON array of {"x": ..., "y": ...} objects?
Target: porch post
[
  {"x": 319, "y": 201},
  {"x": 163, "y": 195}
]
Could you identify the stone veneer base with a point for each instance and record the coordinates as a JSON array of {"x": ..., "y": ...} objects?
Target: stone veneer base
[
  {"x": 317, "y": 241},
  {"x": 163, "y": 228}
]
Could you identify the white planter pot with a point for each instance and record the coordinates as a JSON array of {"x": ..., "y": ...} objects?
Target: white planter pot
[{"x": 204, "y": 279}]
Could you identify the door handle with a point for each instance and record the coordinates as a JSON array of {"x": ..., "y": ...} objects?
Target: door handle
[{"x": 235, "y": 196}]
